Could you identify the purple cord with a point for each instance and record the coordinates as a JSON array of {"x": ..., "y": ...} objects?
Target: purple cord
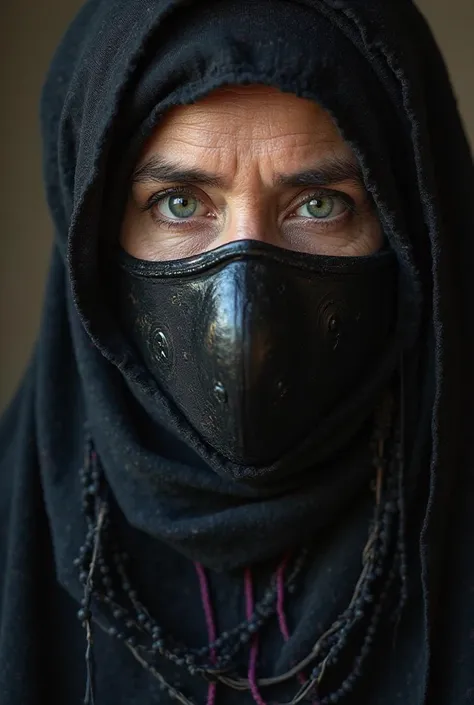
[
  {"x": 249, "y": 606},
  {"x": 252, "y": 672},
  {"x": 210, "y": 623},
  {"x": 280, "y": 576},
  {"x": 282, "y": 621}
]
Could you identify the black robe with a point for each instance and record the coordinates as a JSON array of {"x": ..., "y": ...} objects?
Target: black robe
[{"x": 375, "y": 67}]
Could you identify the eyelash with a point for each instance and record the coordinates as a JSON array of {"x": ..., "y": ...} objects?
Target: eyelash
[{"x": 178, "y": 190}]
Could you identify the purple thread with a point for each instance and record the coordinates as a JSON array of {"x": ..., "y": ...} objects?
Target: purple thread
[
  {"x": 282, "y": 621},
  {"x": 280, "y": 576},
  {"x": 210, "y": 623},
  {"x": 252, "y": 671}
]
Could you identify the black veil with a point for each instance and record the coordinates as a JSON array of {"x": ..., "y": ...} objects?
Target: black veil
[{"x": 376, "y": 68}]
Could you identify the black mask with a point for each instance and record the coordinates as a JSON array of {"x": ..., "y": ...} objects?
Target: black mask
[{"x": 254, "y": 343}]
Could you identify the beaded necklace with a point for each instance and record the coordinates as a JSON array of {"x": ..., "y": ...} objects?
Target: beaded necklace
[{"x": 103, "y": 572}]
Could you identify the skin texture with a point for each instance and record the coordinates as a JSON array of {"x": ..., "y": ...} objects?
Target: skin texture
[{"x": 248, "y": 136}]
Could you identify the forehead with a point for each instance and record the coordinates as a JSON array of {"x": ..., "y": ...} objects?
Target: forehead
[{"x": 261, "y": 115}]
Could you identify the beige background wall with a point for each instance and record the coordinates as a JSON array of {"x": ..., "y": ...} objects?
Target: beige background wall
[{"x": 29, "y": 31}]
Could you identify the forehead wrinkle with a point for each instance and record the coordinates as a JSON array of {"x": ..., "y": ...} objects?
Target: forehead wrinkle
[
  {"x": 295, "y": 147},
  {"x": 200, "y": 134},
  {"x": 208, "y": 129}
]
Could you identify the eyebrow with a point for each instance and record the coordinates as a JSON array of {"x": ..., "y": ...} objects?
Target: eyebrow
[{"x": 332, "y": 170}]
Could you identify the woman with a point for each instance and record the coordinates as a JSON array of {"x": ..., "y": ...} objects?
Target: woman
[{"x": 238, "y": 469}]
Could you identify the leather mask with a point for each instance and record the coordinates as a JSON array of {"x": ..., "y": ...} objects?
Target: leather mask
[{"x": 255, "y": 344}]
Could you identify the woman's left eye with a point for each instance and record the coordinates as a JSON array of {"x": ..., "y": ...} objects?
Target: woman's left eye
[{"x": 322, "y": 207}]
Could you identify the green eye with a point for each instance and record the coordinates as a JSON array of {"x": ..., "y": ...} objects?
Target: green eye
[
  {"x": 178, "y": 206},
  {"x": 322, "y": 208}
]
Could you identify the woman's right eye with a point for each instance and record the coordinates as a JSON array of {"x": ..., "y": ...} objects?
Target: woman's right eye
[{"x": 180, "y": 206}]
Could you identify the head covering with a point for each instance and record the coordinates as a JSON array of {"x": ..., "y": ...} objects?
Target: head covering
[{"x": 120, "y": 66}]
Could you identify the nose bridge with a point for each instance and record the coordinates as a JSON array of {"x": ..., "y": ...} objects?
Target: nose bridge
[{"x": 249, "y": 218}]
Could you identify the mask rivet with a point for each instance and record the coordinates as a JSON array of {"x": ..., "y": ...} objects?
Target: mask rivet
[
  {"x": 334, "y": 330},
  {"x": 160, "y": 347},
  {"x": 220, "y": 392}
]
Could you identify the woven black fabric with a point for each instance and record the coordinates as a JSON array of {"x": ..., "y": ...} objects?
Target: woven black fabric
[{"x": 376, "y": 68}]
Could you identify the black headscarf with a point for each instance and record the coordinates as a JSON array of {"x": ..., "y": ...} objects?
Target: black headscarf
[{"x": 121, "y": 65}]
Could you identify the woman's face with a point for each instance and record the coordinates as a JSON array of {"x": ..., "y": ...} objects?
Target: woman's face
[{"x": 248, "y": 162}]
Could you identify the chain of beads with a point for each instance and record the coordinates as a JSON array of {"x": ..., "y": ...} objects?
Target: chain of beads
[{"x": 225, "y": 646}]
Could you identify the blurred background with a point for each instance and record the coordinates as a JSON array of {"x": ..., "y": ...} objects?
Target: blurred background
[{"x": 29, "y": 32}]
